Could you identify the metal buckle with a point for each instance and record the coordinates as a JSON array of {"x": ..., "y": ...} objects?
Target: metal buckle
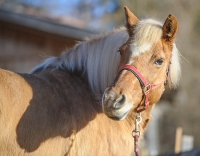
[
  {"x": 146, "y": 89},
  {"x": 138, "y": 120}
]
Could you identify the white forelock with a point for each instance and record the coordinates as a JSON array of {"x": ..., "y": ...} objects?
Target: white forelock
[{"x": 146, "y": 33}]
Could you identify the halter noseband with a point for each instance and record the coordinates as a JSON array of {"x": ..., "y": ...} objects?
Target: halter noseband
[{"x": 146, "y": 87}]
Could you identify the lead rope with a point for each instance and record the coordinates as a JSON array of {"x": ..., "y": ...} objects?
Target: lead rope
[{"x": 136, "y": 133}]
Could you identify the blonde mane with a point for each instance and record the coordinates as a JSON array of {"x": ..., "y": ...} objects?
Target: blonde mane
[{"x": 97, "y": 57}]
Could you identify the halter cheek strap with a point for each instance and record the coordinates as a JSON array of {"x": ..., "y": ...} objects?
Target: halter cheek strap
[{"x": 146, "y": 87}]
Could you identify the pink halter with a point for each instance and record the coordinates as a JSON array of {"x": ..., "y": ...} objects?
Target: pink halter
[{"x": 146, "y": 87}]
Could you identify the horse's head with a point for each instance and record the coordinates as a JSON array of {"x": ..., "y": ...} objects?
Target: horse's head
[{"x": 147, "y": 62}]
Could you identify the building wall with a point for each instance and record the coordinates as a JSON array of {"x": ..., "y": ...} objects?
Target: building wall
[{"x": 22, "y": 48}]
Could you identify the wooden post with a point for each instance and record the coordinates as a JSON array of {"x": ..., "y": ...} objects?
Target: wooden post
[{"x": 178, "y": 140}]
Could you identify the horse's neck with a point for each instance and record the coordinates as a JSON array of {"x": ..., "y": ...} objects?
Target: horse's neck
[{"x": 74, "y": 93}]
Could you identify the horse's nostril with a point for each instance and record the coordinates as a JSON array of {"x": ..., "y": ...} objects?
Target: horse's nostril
[{"x": 119, "y": 102}]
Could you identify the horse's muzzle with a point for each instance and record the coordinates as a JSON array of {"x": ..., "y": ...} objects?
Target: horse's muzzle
[{"x": 115, "y": 105}]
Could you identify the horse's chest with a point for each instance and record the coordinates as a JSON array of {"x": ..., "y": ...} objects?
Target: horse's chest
[{"x": 101, "y": 139}]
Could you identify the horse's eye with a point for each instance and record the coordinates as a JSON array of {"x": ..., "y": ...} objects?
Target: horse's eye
[{"x": 159, "y": 61}]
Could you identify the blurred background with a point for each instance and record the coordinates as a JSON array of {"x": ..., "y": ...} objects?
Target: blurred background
[{"x": 32, "y": 30}]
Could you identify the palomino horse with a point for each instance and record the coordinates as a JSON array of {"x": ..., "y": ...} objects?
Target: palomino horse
[{"x": 56, "y": 110}]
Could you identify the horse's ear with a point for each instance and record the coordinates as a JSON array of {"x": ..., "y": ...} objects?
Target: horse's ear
[
  {"x": 170, "y": 28},
  {"x": 131, "y": 20}
]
